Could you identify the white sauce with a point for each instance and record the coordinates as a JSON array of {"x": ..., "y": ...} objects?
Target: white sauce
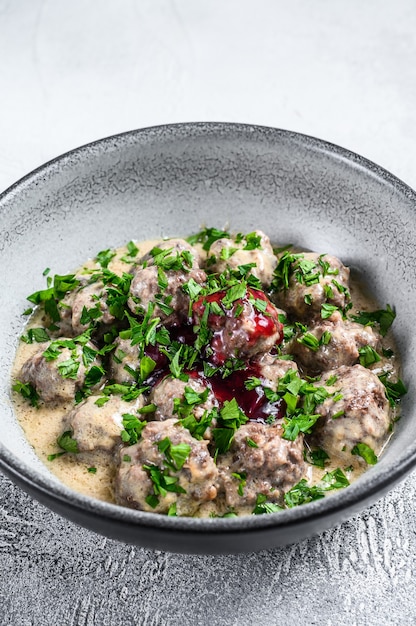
[{"x": 43, "y": 425}]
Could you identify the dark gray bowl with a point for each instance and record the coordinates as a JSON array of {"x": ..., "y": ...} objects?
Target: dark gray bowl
[{"x": 169, "y": 181}]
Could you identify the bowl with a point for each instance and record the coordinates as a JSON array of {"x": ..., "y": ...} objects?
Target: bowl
[{"x": 168, "y": 181}]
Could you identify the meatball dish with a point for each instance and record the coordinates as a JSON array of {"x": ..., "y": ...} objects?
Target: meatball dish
[{"x": 212, "y": 376}]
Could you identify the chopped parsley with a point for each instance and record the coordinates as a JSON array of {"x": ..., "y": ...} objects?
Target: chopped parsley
[
  {"x": 365, "y": 452},
  {"x": 55, "y": 291},
  {"x": 69, "y": 368},
  {"x": 383, "y": 317},
  {"x": 67, "y": 442},
  {"x": 394, "y": 390},
  {"x": 312, "y": 342},
  {"x": 207, "y": 236},
  {"x": 263, "y": 506},
  {"x": 175, "y": 455},
  {"x": 104, "y": 257},
  {"x": 230, "y": 418},
  {"x": 162, "y": 483},
  {"x": 327, "y": 310},
  {"x": 302, "y": 492},
  {"x": 368, "y": 356},
  {"x": 132, "y": 428},
  {"x": 27, "y": 391},
  {"x": 242, "y": 480},
  {"x": 300, "y": 397},
  {"x": 132, "y": 252},
  {"x": 39, "y": 335},
  {"x": 317, "y": 457}
]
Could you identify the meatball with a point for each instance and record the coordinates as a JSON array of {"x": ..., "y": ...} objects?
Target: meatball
[
  {"x": 98, "y": 427},
  {"x": 89, "y": 297},
  {"x": 92, "y": 296},
  {"x": 272, "y": 368},
  {"x": 344, "y": 339},
  {"x": 164, "y": 393},
  {"x": 271, "y": 467},
  {"x": 171, "y": 302},
  {"x": 253, "y": 248},
  {"x": 356, "y": 411},
  {"x": 242, "y": 328},
  {"x": 58, "y": 371},
  {"x": 314, "y": 280},
  {"x": 196, "y": 481}
]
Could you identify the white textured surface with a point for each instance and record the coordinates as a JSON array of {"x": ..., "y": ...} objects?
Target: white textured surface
[{"x": 72, "y": 72}]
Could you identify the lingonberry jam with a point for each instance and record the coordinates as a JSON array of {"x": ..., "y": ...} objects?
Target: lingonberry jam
[{"x": 252, "y": 402}]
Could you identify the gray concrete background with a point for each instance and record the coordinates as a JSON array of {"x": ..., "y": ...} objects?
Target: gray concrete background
[{"x": 72, "y": 72}]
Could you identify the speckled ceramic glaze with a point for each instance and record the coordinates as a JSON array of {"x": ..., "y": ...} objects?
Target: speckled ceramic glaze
[{"x": 169, "y": 181}]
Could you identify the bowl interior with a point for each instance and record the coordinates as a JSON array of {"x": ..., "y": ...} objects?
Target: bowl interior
[{"x": 170, "y": 181}]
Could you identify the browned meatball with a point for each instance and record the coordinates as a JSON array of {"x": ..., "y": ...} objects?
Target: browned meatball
[
  {"x": 92, "y": 296},
  {"x": 98, "y": 426},
  {"x": 164, "y": 393},
  {"x": 271, "y": 467},
  {"x": 89, "y": 297},
  {"x": 197, "y": 479},
  {"x": 228, "y": 253},
  {"x": 339, "y": 346},
  {"x": 357, "y": 411},
  {"x": 170, "y": 300},
  {"x": 61, "y": 377},
  {"x": 314, "y": 280},
  {"x": 241, "y": 330},
  {"x": 272, "y": 368}
]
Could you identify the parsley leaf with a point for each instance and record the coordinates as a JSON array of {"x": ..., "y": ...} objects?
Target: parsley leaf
[
  {"x": 132, "y": 428},
  {"x": 175, "y": 455},
  {"x": 302, "y": 493},
  {"x": 231, "y": 417},
  {"x": 253, "y": 241},
  {"x": 368, "y": 356},
  {"x": 36, "y": 334},
  {"x": 317, "y": 457},
  {"x": 67, "y": 443},
  {"x": 300, "y": 423},
  {"x": 207, "y": 236},
  {"x": 162, "y": 483},
  {"x": 69, "y": 368},
  {"x": 196, "y": 427},
  {"x": 383, "y": 317},
  {"x": 263, "y": 506},
  {"x": 104, "y": 257},
  {"x": 312, "y": 342},
  {"x": 327, "y": 310},
  {"x": 365, "y": 452},
  {"x": 394, "y": 391},
  {"x": 27, "y": 391}
]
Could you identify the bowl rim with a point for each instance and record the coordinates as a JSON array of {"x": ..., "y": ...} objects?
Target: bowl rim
[{"x": 358, "y": 494}]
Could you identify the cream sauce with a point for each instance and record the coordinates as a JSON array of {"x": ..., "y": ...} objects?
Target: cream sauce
[{"x": 92, "y": 473}]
